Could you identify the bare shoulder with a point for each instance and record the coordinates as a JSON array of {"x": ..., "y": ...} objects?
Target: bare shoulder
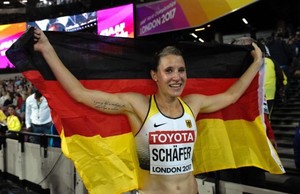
[
  {"x": 194, "y": 101},
  {"x": 137, "y": 101},
  {"x": 139, "y": 105},
  {"x": 192, "y": 98}
]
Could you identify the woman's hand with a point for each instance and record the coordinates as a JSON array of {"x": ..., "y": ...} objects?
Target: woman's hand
[
  {"x": 257, "y": 55},
  {"x": 41, "y": 40}
]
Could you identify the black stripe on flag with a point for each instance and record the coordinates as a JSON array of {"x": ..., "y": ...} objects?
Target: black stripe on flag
[{"x": 93, "y": 57}]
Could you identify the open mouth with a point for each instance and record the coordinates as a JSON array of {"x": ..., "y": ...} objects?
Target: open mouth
[{"x": 178, "y": 85}]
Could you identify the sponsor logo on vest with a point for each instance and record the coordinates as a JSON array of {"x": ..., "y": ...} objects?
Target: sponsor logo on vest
[
  {"x": 158, "y": 125},
  {"x": 171, "y": 152},
  {"x": 171, "y": 137}
]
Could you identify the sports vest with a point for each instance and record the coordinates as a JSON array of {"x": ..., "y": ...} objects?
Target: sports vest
[{"x": 165, "y": 145}]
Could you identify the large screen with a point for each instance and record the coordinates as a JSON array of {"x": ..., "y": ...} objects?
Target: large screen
[
  {"x": 67, "y": 23},
  {"x": 9, "y": 33},
  {"x": 169, "y": 15},
  {"x": 117, "y": 21}
]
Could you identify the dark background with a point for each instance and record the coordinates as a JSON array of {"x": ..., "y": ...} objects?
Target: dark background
[{"x": 261, "y": 15}]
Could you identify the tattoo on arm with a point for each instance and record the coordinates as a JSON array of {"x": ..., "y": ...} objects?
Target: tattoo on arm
[{"x": 108, "y": 106}]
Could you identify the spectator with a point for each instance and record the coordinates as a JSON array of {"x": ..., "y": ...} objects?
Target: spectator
[
  {"x": 3, "y": 127},
  {"x": 13, "y": 122},
  {"x": 275, "y": 81},
  {"x": 9, "y": 100},
  {"x": 4, "y": 97},
  {"x": 20, "y": 103},
  {"x": 280, "y": 50},
  {"x": 37, "y": 115},
  {"x": 282, "y": 53},
  {"x": 2, "y": 116}
]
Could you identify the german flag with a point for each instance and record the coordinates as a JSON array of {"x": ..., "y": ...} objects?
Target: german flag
[{"x": 102, "y": 146}]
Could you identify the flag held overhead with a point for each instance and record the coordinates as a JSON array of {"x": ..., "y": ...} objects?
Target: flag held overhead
[{"x": 92, "y": 139}]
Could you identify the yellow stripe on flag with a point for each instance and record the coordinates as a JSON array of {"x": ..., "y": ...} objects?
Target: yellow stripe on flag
[
  {"x": 233, "y": 144},
  {"x": 105, "y": 170}
]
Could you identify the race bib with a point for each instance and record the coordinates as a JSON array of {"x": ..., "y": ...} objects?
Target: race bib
[{"x": 171, "y": 152}]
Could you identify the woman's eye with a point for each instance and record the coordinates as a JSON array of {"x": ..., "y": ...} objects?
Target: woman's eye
[
  {"x": 169, "y": 70},
  {"x": 181, "y": 70}
]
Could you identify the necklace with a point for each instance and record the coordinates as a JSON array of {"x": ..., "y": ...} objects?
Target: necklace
[{"x": 38, "y": 104}]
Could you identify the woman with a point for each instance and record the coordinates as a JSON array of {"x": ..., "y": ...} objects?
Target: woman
[{"x": 162, "y": 114}]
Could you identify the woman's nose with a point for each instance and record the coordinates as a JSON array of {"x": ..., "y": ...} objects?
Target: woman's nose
[{"x": 176, "y": 76}]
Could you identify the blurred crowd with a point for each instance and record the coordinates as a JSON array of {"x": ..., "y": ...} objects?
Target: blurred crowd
[
  {"x": 14, "y": 91},
  {"x": 24, "y": 108}
]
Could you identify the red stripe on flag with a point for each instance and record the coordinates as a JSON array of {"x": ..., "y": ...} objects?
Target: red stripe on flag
[
  {"x": 80, "y": 119},
  {"x": 248, "y": 101}
]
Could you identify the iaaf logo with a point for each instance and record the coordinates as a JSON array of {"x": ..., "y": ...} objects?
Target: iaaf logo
[{"x": 171, "y": 137}]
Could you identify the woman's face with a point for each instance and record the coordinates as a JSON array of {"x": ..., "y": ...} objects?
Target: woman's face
[{"x": 171, "y": 75}]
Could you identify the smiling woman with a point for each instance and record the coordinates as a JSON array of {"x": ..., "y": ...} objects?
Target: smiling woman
[{"x": 163, "y": 122}]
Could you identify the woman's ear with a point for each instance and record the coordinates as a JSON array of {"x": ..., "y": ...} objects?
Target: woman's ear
[{"x": 153, "y": 75}]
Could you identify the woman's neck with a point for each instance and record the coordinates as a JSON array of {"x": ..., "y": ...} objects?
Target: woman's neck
[{"x": 169, "y": 106}]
